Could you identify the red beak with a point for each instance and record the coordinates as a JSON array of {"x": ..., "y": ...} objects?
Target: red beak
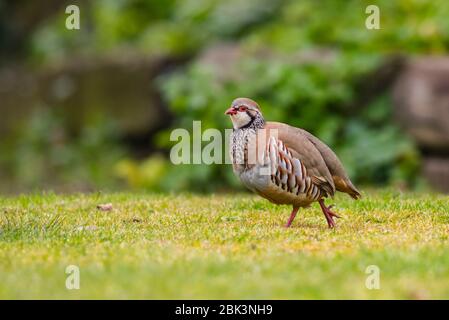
[{"x": 231, "y": 111}]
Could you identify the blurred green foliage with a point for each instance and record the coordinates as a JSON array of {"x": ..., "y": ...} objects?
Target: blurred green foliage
[
  {"x": 158, "y": 28},
  {"x": 146, "y": 174},
  {"x": 305, "y": 62},
  {"x": 180, "y": 27},
  {"x": 44, "y": 153}
]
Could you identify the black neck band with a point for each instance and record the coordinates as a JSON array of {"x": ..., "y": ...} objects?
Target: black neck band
[{"x": 250, "y": 122}]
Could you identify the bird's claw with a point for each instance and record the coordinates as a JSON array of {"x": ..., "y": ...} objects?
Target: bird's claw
[{"x": 329, "y": 215}]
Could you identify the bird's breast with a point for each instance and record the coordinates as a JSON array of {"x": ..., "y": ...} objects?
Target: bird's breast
[{"x": 241, "y": 144}]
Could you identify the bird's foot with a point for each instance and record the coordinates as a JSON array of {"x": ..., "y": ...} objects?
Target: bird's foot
[{"x": 328, "y": 214}]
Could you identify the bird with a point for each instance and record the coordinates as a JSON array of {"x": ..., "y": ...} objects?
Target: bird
[{"x": 284, "y": 164}]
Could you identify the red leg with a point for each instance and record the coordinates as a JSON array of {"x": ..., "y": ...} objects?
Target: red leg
[
  {"x": 328, "y": 214},
  {"x": 292, "y": 217}
]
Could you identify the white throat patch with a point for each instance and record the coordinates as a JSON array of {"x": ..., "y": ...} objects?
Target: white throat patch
[{"x": 240, "y": 119}]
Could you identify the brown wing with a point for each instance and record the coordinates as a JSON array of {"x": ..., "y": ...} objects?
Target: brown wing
[
  {"x": 304, "y": 150},
  {"x": 339, "y": 175}
]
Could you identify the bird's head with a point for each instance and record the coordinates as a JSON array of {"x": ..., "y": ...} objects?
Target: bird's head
[{"x": 244, "y": 113}]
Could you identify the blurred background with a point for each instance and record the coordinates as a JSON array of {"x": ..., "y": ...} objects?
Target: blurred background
[{"x": 92, "y": 109}]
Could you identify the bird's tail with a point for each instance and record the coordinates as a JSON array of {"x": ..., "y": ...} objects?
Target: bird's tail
[
  {"x": 354, "y": 193},
  {"x": 345, "y": 185}
]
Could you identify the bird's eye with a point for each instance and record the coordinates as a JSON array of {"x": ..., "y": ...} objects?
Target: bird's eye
[{"x": 242, "y": 108}]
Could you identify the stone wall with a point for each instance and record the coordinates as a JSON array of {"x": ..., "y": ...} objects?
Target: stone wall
[{"x": 421, "y": 96}]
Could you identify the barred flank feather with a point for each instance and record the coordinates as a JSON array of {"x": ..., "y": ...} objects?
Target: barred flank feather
[{"x": 289, "y": 174}]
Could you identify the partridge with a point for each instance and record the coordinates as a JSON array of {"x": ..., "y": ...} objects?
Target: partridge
[{"x": 284, "y": 164}]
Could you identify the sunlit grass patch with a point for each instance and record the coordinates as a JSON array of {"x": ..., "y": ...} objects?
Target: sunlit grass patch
[{"x": 222, "y": 246}]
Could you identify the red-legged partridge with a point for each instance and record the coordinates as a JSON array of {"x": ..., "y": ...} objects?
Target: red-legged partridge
[{"x": 284, "y": 164}]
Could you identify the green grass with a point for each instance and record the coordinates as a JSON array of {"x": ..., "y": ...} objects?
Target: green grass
[{"x": 222, "y": 246}]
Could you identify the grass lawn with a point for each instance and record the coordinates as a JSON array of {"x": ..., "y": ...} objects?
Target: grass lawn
[{"x": 222, "y": 246}]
